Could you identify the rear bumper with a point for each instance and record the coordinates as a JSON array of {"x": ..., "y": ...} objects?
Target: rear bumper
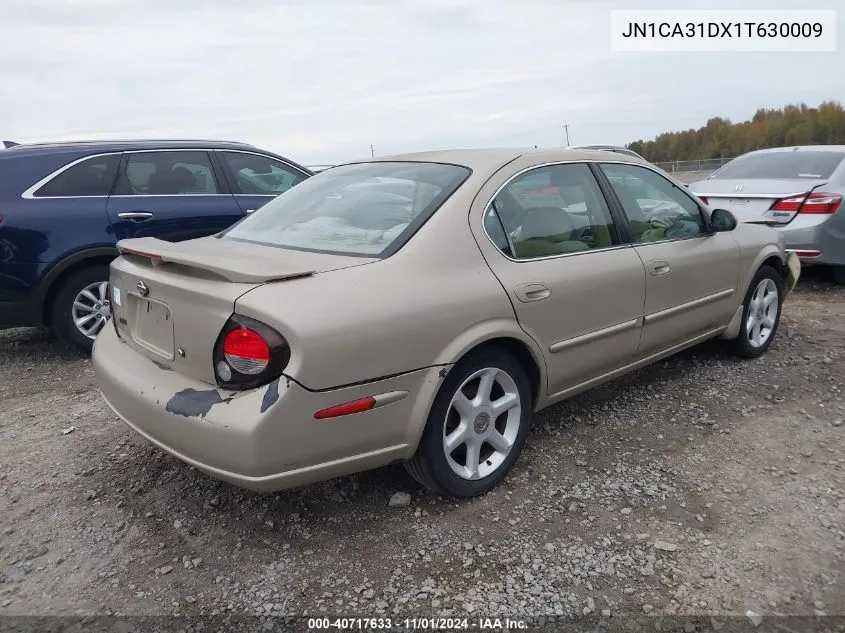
[
  {"x": 792, "y": 271},
  {"x": 819, "y": 239},
  {"x": 263, "y": 439}
]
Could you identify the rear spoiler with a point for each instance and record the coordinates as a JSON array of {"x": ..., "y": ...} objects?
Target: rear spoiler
[
  {"x": 207, "y": 256},
  {"x": 8, "y": 144}
]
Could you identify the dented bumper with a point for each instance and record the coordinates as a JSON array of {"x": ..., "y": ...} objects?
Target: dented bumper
[
  {"x": 793, "y": 271},
  {"x": 265, "y": 438}
]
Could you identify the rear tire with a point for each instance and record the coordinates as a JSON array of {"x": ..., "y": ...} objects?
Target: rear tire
[
  {"x": 482, "y": 412},
  {"x": 760, "y": 313},
  {"x": 82, "y": 297}
]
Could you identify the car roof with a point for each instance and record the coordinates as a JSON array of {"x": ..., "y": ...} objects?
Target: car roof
[
  {"x": 493, "y": 158},
  {"x": 124, "y": 145}
]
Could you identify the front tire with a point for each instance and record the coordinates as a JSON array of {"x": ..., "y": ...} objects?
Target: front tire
[
  {"x": 760, "y": 313},
  {"x": 80, "y": 308},
  {"x": 477, "y": 426}
]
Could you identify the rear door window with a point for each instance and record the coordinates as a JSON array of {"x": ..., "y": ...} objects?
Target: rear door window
[
  {"x": 789, "y": 165},
  {"x": 259, "y": 175},
  {"x": 548, "y": 211},
  {"x": 167, "y": 174},
  {"x": 91, "y": 177}
]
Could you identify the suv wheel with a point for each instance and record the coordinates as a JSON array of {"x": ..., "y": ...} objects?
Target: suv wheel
[{"x": 80, "y": 307}]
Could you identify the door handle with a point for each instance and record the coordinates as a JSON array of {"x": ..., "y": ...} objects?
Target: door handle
[
  {"x": 658, "y": 267},
  {"x": 532, "y": 292},
  {"x": 138, "y": 216},
  {"x": 248, "y": 211}
]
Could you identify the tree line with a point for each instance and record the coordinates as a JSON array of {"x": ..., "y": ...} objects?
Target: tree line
[{"x": 719, "y": 138}]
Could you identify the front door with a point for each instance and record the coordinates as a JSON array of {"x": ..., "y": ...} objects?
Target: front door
[
  {"x": 576, "y": 288},
  {"x": 171, "y": 195},
  {"x": 692, "y": 274}
]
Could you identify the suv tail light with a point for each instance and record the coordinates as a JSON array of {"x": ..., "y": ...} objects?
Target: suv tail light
[
  {"x": 816, "y": 202},
  {"x": 248, "y": 354}
]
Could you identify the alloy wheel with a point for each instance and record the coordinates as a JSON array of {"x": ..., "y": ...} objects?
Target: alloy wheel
[
  {"x": 91, "y": 309},
  {"x": 762, "y": 313},
  {"x": 482, "y": 423}
]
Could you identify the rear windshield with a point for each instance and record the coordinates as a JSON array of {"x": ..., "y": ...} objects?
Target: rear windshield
[
  {"x": 790, "y": 165},
  {"x": 363, "y": 209}
]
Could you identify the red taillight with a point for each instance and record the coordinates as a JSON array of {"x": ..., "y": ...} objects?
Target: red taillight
[
  {"x": 347, "y": 408},
  {"x": 246, "y": 351},
  {"x": 820, "y": 202},
  {"x": 248, "y": 354},
  {"x": 816, "y": 202},
  {"x": 789, "y": 204}
]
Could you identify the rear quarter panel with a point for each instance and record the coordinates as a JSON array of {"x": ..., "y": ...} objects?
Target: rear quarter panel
[
  {"x": 426, "y": 305},
  {"x": 757, "y": 243}
]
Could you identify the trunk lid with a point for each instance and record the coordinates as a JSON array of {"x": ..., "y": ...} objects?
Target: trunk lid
[
  {"x": 751, "y": 199},
  {"x": 171, "y": 300}
]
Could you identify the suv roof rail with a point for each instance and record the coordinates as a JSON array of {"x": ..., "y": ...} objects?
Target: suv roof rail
[{"x": 128, "y": 141}]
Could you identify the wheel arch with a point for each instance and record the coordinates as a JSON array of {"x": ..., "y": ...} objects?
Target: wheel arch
[
  {"x": 97, "y": 256},
  {"x": 768, "y": 256},
  {"x": 503, "y": 334}
]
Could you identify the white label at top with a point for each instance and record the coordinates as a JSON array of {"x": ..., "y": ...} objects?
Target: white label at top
[{"x": 723, "y": 31}]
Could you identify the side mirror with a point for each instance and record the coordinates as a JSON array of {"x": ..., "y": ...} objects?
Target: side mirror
[{"x": 722, "y": 220}]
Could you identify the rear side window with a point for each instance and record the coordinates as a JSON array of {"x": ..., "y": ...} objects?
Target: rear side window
[
  {"x": 791, "y": 165},
  {"x": 259, "y": 175},
  {"x": 166, "y": 174},
  {"x": 550, "y": 211},
  {"x": 91, "y": 177}
]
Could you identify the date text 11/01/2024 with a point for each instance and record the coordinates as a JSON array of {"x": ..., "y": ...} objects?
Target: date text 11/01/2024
[
  {"x": 723, "y": 29},
  {"x": 422, "y": 624}
]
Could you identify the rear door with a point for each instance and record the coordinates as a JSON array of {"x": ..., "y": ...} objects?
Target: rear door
[
  {"x": 255, "y": 179},
  {"x": 576, "y": 287},
  {"x": 173, "y": 195},
  {"x": 692, "y": 275}
]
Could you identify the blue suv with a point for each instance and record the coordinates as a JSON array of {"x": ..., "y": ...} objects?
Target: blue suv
[{"x": 64, "y": 206}]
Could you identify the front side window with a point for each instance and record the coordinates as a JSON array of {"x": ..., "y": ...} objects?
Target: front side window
[
  {"x": 167, "y": 174},
  {"x": 259, "y": 175},
  {"x": 360, "y": 209},
  {"x": 91, "y": 177},
  {"x": 656, "y": 209},
  {"x": 549, "y": 211}
]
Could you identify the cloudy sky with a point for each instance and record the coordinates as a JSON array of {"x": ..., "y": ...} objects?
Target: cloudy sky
[{"x": 321, "y": 80}]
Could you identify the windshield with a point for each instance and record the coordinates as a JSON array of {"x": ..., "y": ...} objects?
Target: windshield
[
  {"x": 781, "y": 165},
  {"x": 360, "y": 209}
]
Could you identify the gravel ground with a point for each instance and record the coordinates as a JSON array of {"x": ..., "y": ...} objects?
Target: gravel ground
[{"x": 701, "y": 485}]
